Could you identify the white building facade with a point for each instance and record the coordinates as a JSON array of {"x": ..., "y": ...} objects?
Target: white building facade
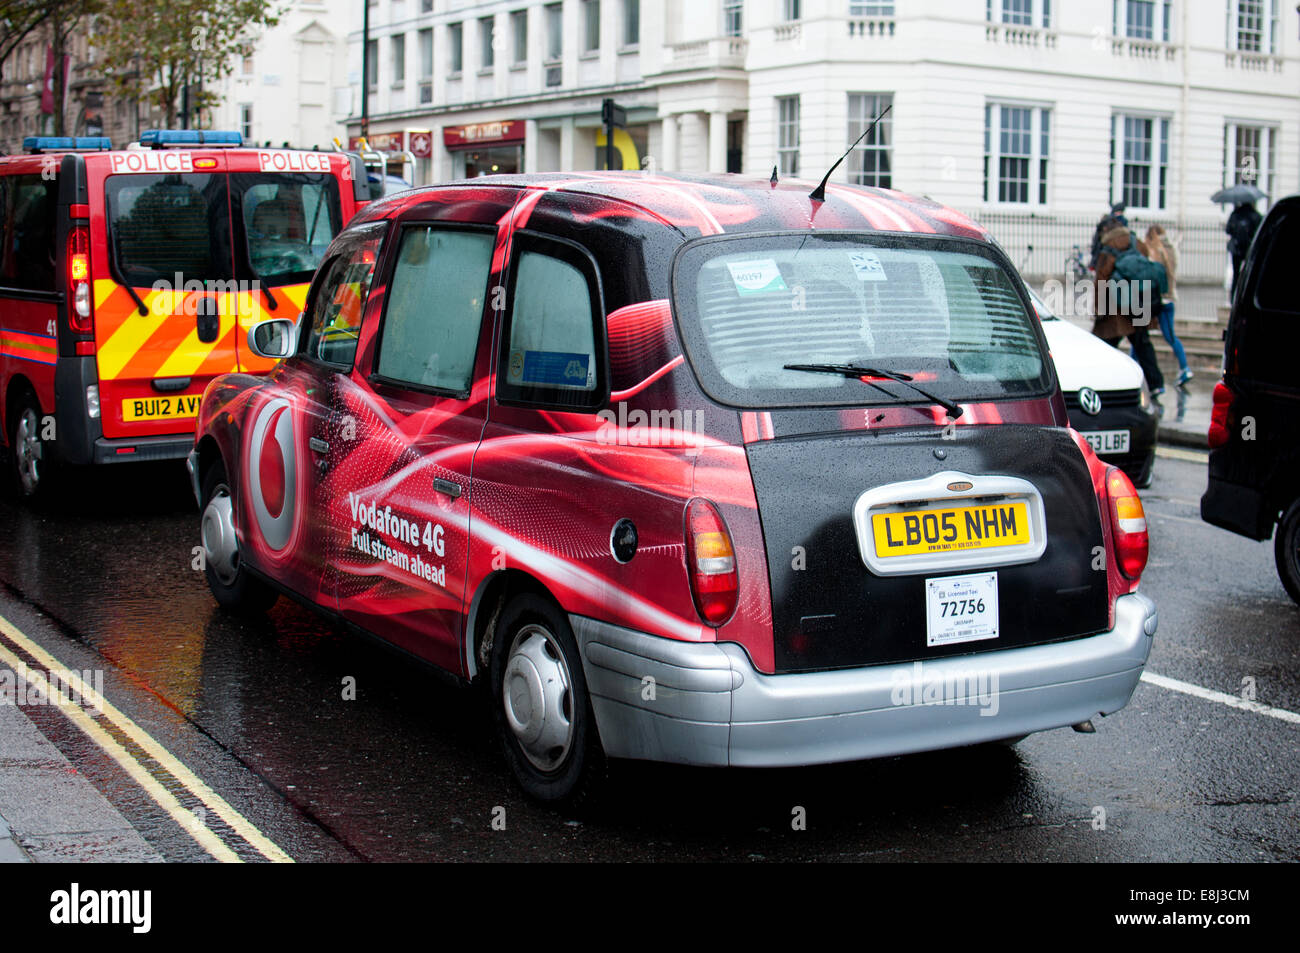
[
  {"x": 1025, "y": 108},
  {"x": 294, "y": 89}
]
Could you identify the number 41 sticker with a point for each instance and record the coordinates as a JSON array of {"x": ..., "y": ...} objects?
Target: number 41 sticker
[{"x": 961, "y": 608}]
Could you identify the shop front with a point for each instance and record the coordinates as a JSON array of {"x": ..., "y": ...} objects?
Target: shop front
[{"x": 485, "y": 148}]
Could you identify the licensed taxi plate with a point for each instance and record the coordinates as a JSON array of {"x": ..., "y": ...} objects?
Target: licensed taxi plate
[
  {"x": 161, "y": 408},
  {"x": 949, "y": 530}
]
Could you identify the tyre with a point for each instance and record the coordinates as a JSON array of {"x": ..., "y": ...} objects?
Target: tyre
[
  {"x": 1286, "y": 550},
  {"x": 541, "y": 707},
  {"x": 232, "y": 585},
  {"x": 31, "y": 458}
]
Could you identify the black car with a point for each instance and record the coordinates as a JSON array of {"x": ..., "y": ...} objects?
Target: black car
[{"x": 1254, "y": 476}]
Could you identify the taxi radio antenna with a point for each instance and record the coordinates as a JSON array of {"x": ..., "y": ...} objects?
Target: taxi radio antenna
[{"x": 819, "y": 194}]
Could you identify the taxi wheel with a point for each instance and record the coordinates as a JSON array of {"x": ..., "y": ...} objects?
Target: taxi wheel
[
  {"x": 31, "y": 459},
  {"x": 541, "y": 707},
  {"x": 1286, "y": 550},
  {"x": 232, "y": 585}
]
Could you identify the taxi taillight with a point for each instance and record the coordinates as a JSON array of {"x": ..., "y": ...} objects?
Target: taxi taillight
[
  {"x": 711, "y": 563},
  {"x": 80, "y": 306},
  {"x": 1218, "y": 434},
  {"x": 1128, "y": 522}
]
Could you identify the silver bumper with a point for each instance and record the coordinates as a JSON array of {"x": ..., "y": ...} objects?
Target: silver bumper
[
  {"x": 704, "y": 703},
  {"x": 192, "y": 465}
]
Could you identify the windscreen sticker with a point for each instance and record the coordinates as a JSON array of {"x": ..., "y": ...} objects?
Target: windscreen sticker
[
  {"x": 756, "y": 276},
  {"x": 553, "y": 368},
  {"x": 867, "y": 266}
]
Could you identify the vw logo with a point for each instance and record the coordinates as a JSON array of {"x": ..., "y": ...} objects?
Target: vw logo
[
  {"x": 1089, "y": 401},
  {"x": 273, "y": 472}
]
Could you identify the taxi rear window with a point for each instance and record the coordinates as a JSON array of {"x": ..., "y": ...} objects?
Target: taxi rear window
[
  {"x": 945, "y": 313},
  {"x": 163, "y": 225}
]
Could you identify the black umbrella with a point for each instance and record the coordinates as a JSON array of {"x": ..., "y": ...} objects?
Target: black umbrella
[{"x": 1236, "y": 194}]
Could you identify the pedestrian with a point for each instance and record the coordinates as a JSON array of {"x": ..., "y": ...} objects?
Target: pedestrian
[
  {"x": 1159, "y": 249},
  {"x": 1114, "y": 318},
  {"x": 1112, "y": 219},
  {"x": 1242, "y": 225}
]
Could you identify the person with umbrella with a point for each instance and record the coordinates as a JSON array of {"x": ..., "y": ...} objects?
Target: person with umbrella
[{"x": 1242, "y": 224}]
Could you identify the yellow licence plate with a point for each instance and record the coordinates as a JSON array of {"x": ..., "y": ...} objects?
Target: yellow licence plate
[
  {"x": 921, "y": 532},
  {"x": 161, "y": 408}
]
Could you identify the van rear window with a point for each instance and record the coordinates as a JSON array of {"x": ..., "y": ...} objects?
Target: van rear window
[
  {"x": 288, "y": 222},
  {"x": 944, "y": 312},
  {"x": 164, "y": 225}
]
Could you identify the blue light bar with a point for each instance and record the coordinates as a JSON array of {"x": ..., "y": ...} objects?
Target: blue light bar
[
  {"x": 66, "y": 143},
  {"x": 161, "y": 138}
]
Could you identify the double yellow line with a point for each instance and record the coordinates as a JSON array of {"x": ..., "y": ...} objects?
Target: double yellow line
[{"x": 95, "y": 727}]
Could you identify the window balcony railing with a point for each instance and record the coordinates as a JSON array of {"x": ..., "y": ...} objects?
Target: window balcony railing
[
  {"x": 787, "y": 32},
  {"x": 1007, "y": 34},
  {"x": 1255, "y": 62},
  {"x": 1139, "y": 49},
  {"x": 718, "y": 52},
  {"x": 872, "y": 27}
]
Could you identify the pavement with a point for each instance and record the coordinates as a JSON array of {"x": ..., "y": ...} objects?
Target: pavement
[{"x": 49, "y": 811}]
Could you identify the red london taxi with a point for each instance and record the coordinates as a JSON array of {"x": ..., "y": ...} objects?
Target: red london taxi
[{"x": 707, "y": 470}]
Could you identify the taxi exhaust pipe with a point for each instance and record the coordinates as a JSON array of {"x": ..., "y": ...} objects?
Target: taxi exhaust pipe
[{"x": 1085, "y": 727}]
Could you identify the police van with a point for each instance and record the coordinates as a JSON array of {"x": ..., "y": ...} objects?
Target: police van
[{"x": 129, "y": 279}]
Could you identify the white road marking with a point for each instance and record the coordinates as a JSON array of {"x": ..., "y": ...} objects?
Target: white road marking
[
  {"x": 1232, "y": 701},
  {"x": 1177, "y": 453}
]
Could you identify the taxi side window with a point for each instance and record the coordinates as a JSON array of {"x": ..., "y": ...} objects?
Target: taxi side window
[
  {"x": 434, "y": 309},
  {"x": 338, "y": 302},
  {"x": 27, "y": 230},
  {"x": 553, "y": 347},
  {"x": 1274, "y": 290}
]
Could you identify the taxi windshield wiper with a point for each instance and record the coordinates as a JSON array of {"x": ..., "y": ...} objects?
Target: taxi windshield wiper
[{"x": 859, "y": 372}]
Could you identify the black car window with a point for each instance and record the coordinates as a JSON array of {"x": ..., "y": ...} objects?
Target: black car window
[
  {"x": 338, "y": 300},
  {"x": 553, "y": 346},
  {"x": 433, "y": 314},
  {"x": 1273, "y": 290},
  {"x": 164, "y": 226},
  {"x": 288, "y": 220},
  {"x": 27, "y": 257}
]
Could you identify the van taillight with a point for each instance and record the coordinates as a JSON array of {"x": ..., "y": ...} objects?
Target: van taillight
[
  {"x": 1218, "y": 434},
  {"x": 711, "y": 563},
  {"x": 1128, "y": 522},
  {"x": 79, "y": 298}
]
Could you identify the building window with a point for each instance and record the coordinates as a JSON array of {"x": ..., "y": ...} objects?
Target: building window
[
  {"x": 790, "y": 10},
  {"x": 1143, "y": 19},
  {"x": 590, "y": 26},
  {"x": 1017, "y": 148},
  {"x": 426, "y": 6},
  {"x": 486, "y": 33},
  {"x": 1252, "y": 26},
  {"x": 1250, "y": 156},
  {"x": 519, "y": 34},
  {"x": 869, "y": 8},
  {"x": 631, "y": 22},
  {"x": 1020, "y": 12},
  {"x": 787, "y": 134},
  {"x": 424, "y": 40},
  {"x": 246, "y": 121},
  {"x": 247, "y": 68},
  {"x": 455, "y": 48},
  {"x": 871, "y": 162},
  {"x": 372, "y": 64},
  {"x": 1139, "y": 161},
  {"x": 733, "y": 17},
  {"x": 399, "y": 59},
  {"x": 554, "y": 31}
]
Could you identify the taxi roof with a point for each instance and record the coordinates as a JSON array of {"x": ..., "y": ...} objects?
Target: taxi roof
[{"x": 711, "y": 204}]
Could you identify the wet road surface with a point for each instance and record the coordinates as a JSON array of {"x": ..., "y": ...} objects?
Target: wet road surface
[{"x": 408, "y": 770}]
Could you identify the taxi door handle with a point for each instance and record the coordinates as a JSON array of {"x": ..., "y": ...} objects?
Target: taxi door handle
[
  {"x": 453, "y": 490},
  {"x": 318, "y": 445}
]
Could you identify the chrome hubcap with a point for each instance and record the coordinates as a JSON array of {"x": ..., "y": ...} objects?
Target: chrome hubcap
[
  {"x": 218, "y": 532},
  {"x": 28, "y": 449},
  {"x": 538, "y": 697}
]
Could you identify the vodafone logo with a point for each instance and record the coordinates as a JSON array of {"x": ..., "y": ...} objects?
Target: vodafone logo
[
  {"x": 152, "y": 161},
  {"x": 293, "y": 161},
  {"x": 272, "y": 477}
]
